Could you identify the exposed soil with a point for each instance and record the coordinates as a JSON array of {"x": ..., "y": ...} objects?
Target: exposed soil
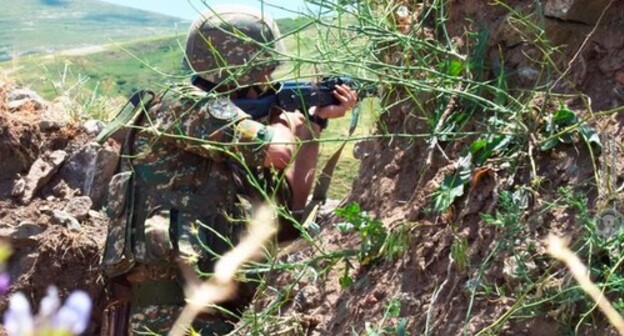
[
  {"x": 395, "y": 185},
  {"x": 45, "y": 251}
]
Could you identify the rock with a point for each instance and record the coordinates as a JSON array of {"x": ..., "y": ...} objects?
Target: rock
[
  {"x": 75, "y": 171},
  {"x": 16, "y": 104},
  {"x": 18, "y": 97},
  {"x": 362, "y": 149},
  {"x": 18, "y": 188},
  {"x": 507, "y": 33},
  {"x": 65, "y": 219},
  {"x": 528, "y": 76},
  {"x": 329, "y": 206},
  {"x": 90, "y": 170},
  {"x": 21, "y": 234},
  {"x": 613, "y": 63},
  {"x": 79, "y": 207},
  {"x": 93, "y": 127},
  {"x": 50, "y": 125},
  {"x": 516, "y": 265},
  {"x": 26, "y": 230},
  {"x": 61, "y": 189},
  {"x": 583, "y": 11},
  {"x": 392, "y": 169},
  {"x": 20, "y": 144},
  {"x": 308, "y": 297},
  {"x": 41, "y": 172},
  {"x": 23, "y": 93},
  {"x": 45, "y": 209},
  {"x": 414, "y": 213},
  {"x": 96, "y": 215}
]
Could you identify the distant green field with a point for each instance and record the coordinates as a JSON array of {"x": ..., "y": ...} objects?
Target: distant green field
[
  {"x": 117, "y": 71},
  {"x": 38, "y": 26}
]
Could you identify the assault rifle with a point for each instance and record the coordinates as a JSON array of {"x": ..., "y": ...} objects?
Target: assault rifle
[{"x": 301, "y": 95}]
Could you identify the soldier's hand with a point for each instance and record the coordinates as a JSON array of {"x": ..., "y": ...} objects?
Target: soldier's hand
[
  {"x": 280, "y": 151},
  {"x": 347, "y": 98}
]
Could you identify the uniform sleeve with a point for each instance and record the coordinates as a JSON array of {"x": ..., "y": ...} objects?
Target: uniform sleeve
[{"x": 210, "y": 127}]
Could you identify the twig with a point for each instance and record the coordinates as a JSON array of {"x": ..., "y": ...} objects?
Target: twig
[
  {"x": 222, "y": 285},
  {"x": 434, "y": 297},
  {"x": 578, "y": 53},
  {"x": 434, "y": 139},
  {"x": 558, "y": 248}
]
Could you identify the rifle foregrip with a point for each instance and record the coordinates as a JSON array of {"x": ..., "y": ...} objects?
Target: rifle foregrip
[{"x": 303, "y": 98}]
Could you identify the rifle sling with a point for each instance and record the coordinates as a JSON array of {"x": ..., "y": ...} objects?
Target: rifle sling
[
  {"x": 319, "y": 196},
  {"x": 126, "y": 114}
]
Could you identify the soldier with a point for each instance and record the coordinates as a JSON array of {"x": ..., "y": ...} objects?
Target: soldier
[{"x": 184, "y": 181}]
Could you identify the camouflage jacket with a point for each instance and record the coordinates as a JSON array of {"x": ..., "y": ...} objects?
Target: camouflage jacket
[{"x": 183, "y": 188}]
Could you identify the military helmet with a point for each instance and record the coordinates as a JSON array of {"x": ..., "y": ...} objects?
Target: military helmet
[{"x": 232, "y": 43}]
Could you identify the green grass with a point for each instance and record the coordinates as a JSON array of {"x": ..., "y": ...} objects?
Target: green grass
[
  {"x": 117, "y": 71},
  {"x": 348, "y": 166}
]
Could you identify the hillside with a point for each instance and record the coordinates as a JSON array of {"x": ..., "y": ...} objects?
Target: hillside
[
  {"x": 111, "y": 71},
  {"x": 45, "y": 26},
  {"x": 117, "y": 67},
  {"x": 501, "y": 125}
]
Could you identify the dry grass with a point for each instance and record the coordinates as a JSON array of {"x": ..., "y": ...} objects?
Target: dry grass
[{"x": 222, "y": 286}]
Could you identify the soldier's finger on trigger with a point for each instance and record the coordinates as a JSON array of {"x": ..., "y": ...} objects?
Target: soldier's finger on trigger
[
  {"x": 343, "y": 98},
  {"x": 342, "y": 88},
  {"x": 338, "y": 95}
]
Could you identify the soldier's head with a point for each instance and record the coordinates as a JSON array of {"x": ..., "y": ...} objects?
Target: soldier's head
[{"x": 233, "y": 45}]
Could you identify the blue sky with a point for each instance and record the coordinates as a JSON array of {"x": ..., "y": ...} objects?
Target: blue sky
[{"x": 188, "y": 9}]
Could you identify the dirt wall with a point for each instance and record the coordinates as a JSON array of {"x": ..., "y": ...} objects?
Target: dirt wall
[{"x": 549, "y": 54}]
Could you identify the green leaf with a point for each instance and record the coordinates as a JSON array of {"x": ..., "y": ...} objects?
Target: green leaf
[
  {"x": 477, "y": 146},
  {"x": 564, "y": 117},
  {"x": 345, "y": 281},
  {"x": 549, "y": 144},
  {"x": 401, "y": 329},
  {"x": 452, "y": 68},
  {"x": 394, "y": 308},
  {"x": 350, "y": 213},
  {"x": 344, "y": 227},
  {"x": 455, "y": 67},
  {"x": 487, "y": 218},
  {"x": 591, "y": 137},
  {"x": 453, "y": 185},
  {"x": 483, "y": 149}
]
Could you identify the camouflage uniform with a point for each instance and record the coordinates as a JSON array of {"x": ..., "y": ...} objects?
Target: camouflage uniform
[
  {"x": 184, "y": 187},
  {"x": 181, "y": 190}
]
